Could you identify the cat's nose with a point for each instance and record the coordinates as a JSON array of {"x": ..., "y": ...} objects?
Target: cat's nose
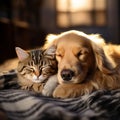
[{"x": 37, "y": 73}]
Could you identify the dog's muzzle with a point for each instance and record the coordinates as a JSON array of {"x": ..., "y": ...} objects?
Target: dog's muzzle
[{"x": 67, "y": 74}]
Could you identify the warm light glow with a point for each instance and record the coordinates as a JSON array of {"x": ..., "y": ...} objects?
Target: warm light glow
[
  {"x": 74, "y": 5},
  {"x": 62, "y": 5},
  {"x": 80, "y": 18},
  {"x": 80, "y": 12},
  {"x": 80, "y": 5},
  {"x": 63, "y": 20},
  {"x": 74, "y": 18},
  {"x": 100, "y": 4}
]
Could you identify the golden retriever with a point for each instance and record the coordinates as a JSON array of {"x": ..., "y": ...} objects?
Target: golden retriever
[{"x": 83, "y": 66}]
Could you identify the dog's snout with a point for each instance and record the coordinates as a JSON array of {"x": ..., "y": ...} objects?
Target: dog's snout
[{"x": 67, "y": 74}]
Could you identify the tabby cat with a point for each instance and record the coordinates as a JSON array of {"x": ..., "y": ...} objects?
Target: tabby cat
[{"x": 35, "y": 68}]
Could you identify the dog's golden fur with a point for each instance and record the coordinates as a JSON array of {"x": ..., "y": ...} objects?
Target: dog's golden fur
[{"x": 84, "y": 65}]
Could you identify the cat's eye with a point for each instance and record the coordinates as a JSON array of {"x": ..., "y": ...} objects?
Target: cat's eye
[
  {"x": 40, "y": 71},
  {"x": 30, "y": 69}
]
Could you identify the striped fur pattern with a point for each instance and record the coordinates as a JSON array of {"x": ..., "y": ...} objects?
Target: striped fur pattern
[{"x": 35, "y": 67}]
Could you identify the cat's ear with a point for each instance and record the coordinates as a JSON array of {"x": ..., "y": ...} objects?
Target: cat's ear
[
  {"x": 22, "y": 54},
  {"x": 50, "y": 52}
]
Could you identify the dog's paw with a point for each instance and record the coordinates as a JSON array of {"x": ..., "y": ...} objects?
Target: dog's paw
[
  {"x": 63, "y": 92},
  {"x": 59, "y": 92},
  {"x": 69, "y": 91}
]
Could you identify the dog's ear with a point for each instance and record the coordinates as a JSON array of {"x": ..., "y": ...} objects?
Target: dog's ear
[
  {"x": 96, "y": 38},
  {"x": 103, "y": 63}
]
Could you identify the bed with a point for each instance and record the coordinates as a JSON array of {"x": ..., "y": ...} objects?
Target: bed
[{"x": 16, "y": 104}]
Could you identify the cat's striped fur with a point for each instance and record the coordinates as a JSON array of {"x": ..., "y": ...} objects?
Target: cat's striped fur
[{"x": 35, "y": 68}]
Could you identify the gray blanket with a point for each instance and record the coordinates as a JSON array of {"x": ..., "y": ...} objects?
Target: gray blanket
[{"x": 26, "y": 105}]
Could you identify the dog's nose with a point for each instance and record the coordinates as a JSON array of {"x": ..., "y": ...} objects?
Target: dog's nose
[{"x": 67, "y": 74}]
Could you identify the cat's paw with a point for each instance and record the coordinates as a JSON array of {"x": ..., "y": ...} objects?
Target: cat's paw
[
  {"x": 47, "y": 92},
  {"x": 50, "y": 85}
]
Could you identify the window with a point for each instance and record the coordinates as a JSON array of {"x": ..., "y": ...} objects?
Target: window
[{"x": 81, "y": 13}]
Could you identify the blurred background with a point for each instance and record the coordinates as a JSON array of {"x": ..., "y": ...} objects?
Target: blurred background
[{"x": 25, "y": 23}]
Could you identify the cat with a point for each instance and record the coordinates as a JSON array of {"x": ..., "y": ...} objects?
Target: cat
[{"x": 37, "y": 70}]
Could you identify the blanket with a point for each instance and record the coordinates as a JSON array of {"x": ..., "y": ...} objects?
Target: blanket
[{"x": 18, "y": 104}]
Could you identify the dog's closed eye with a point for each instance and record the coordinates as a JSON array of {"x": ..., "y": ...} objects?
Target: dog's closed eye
[
  {"x": 59, "y": 56},
  {"x": 60, "y": 53},
  {"x": 81, "y": 54}
]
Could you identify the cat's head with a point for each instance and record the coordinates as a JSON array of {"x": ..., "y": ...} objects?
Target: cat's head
[{"x": 36, "y": 65}]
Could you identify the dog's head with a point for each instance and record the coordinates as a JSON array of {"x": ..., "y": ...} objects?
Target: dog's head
[{"x": 79, "y": 57}]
